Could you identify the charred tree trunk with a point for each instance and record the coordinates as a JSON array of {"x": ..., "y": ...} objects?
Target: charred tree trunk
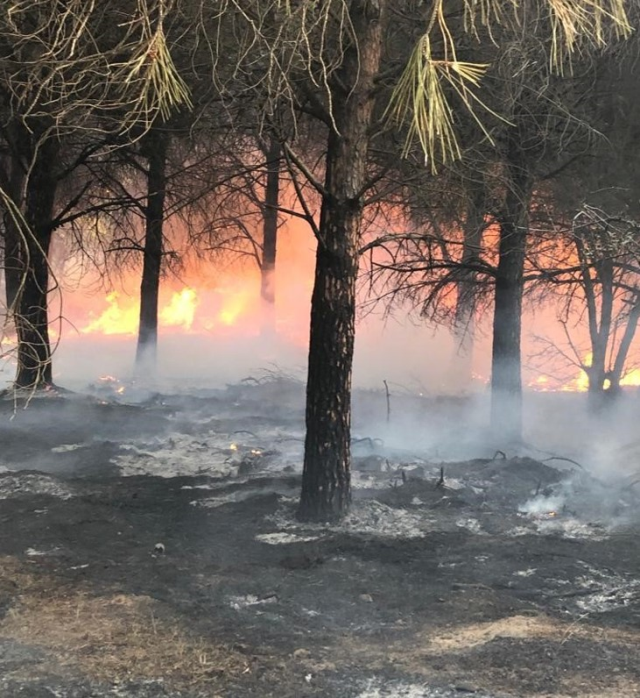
[
  {"x": 625, "y": 345},
  {"x": 31, "y": 319},
  {"x": 17, "y": 178},
  {"x": 270, "y": 235},
  {"x": 156, "y": 153},
  {"x": 326, "y": 475},
  {"x": 600, "y": 334},
  {"x": 506, "y": 375},
  {"x": 599, "y": 298},
  {"x": 601, "y": 339},
  {"x": 467, "y": 289}
]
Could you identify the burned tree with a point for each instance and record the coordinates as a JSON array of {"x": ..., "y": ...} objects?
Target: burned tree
[
  {"x": 14, "y": 176},
  {"x": 506, "y": 374},
  {"x": 30, "y": 257},
  {"x": 543, "y": 129},
  {"x": 596, "y": 274},
  {"x": 62, "y": 121},
  {"x": 270, "y": 226},
  {"x": 467, "y": 286},
  {"x": 154, "y": 149},
  {"x": 609, "y": 278},
  {"x": 251, "y": 203},
  {"x": 326, "y": 476}
]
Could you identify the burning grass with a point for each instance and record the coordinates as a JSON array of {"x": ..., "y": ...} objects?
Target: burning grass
[{"x": 113, "y": 637}]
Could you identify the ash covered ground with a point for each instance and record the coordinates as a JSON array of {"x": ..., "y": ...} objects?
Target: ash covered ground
[{"x": 148, "y": 548}]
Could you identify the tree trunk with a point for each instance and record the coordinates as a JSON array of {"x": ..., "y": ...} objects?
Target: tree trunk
[
  {"x": 464, "y": 324},
  {"x": 624, "y": 347},
  {"x": 597, "y": 372},
  {"x": 32, "y": 325},
  {"x": 270, "y": 236},
  {"x": 604, "y": 378},
  {"x": 12, "y": 232},
  {"x": 156, "y": 152},
  {"x": 506, "y": 377},
  {"x": 326, "y": 475},
  {"x": 599, "y": 315}
]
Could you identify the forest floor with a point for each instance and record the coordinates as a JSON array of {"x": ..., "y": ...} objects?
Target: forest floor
[{"x": 151, "y": 550}]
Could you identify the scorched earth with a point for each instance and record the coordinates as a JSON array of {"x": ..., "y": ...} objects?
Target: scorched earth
[{"x": 149, "y": 548}]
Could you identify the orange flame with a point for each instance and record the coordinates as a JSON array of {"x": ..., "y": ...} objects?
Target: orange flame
[
  {"x": 116, "y": 319},
  {"x": 631, "y": 379},
  {"x": 580, "y": 384},
  {"x": 540, "y": 384},
  {"x": 122, "y": 314},
  {"x": 181, "y": 309},
  {"x": 234, "y": 305}
]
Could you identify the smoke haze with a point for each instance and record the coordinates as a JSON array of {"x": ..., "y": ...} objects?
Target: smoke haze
[{"x": 212, "y": 334}]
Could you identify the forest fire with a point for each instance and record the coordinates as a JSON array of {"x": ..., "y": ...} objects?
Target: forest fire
[
  {"x": 579, "y": 383},
  {"x": 281, "y": 271},
  {"x": 220, "y": 303},
  {"x": 232, "y": 309},
  {"x": 181, "y": 310},
  {"x": 200, "y": 303},
  {"x": 122, "y": 313},
  {"x": 632, "y": 379},
  {"x": 185, "y": 310},
  {"x": 116, "y": 319}
]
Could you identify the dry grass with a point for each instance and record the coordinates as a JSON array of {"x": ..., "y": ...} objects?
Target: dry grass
[
  {"x": 109, "y": 638},
  {"x": 521, "y": 627},
  {"x": 443, "y": 647},
  {"x": 118, "y": 637}
]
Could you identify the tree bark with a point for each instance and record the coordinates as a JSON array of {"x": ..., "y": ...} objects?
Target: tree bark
[
  {"x": 326, "y": 474},
  {"x": 270, "y": 235},
  {"x": 600, "y": 335},
  {"x": 506, "y": 370},
  {"x": 599, "y": 316},
  {"x": 31, "y": 319},
  {"x": 624, "y": 347},
  {"x": 464, "y": 324},
  {"x": 17, "y": 177},
  {"x": 156, "y": 145}
]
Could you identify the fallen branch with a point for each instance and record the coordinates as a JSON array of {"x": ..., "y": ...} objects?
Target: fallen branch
[
  {"x": 567, "y": 460},
  {"x": 244, "y": 431},
  {"x": 368, "y": 440}
]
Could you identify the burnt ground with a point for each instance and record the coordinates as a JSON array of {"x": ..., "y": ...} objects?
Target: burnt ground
[{"x": 150, "y": 550}]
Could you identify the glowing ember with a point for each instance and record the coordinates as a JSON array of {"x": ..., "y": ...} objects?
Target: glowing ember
[
  {"x": 541, "y": 384},
  {"x": 480, "y": 379}
]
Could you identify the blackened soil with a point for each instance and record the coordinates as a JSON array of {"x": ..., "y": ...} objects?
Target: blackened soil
[{"x": 135, "y": 587}]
